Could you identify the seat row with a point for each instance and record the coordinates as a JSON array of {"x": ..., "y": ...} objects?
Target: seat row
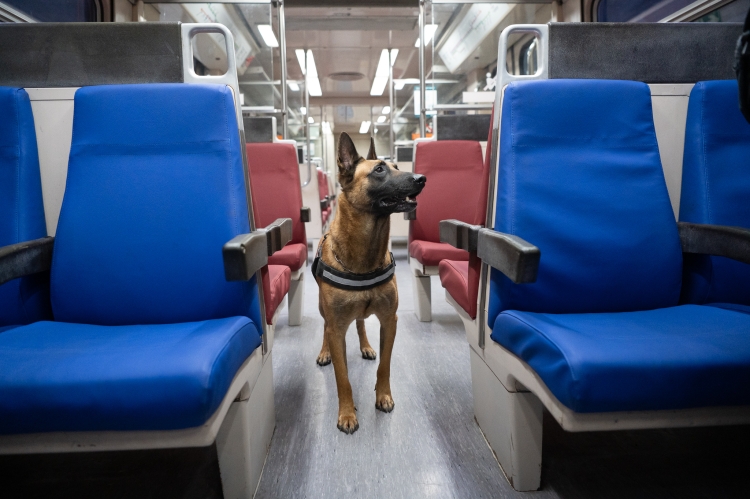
[
  {"x": 141, "y": 324},
  {"x": 597, "y": 305}
]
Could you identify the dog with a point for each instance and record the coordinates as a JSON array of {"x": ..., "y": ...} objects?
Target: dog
[{"x": 354, "y": 269}]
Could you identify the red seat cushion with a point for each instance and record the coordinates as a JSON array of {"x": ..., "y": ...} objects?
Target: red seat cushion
[
  {"x": 275, "y": 185},
  {"x": 429, "y": 253},
  {"x": 293, "y": 255},
  {"x": 276, "y": 281},
  {"x": 461, "y": 280},
  {"x": 456, "y": 187}
]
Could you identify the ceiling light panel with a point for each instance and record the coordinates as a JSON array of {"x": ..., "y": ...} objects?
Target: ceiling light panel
[{"x": 266, "y": 31}]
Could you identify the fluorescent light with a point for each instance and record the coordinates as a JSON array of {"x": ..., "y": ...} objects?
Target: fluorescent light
[
  {"x": 399, "y": 84},
  {"x": 386, "y": 109},
  {"x": 310, "y": 120},
  {"x": 394, "y": 54},
  {"x": 381, "y": 119},
  {"x": 381, "y": 75},
  {"x": 303, "y": 110},
  {"x": 312, "y": 79},
  {"x": 293, "y": 86},
  {"x": 365, "y": 127},
  {"x": 378, "y": 85},
  {"x": 266, "y": 31},
  {"x": 429, "y": 32},
  {"x": 301, "y": 59}
]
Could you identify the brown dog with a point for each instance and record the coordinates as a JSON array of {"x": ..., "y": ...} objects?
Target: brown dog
[{"x": 355, "y": 251}]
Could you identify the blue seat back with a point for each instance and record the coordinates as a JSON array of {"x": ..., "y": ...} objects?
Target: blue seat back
[
  {"x": 155, "y": 188},
  {"x": 716, "y": 188},
  {"x": 580, "y": 177},
  {"x": 21, "y": 209}
]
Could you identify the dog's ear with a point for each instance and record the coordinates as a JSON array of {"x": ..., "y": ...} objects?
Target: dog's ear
[
  {"x": 371, "y": 153},
  {"x": 347, "y": 157}
]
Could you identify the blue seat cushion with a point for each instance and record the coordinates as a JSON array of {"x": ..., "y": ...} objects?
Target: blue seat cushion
[
  {"x": 732, "y": 306},
  {"x": 154, "y": 190},
  {"x": 26, "y": 299},
  {"x": 673, "y": 358},
  {"x": 716, "y": 188},
  {"x": 58, "y": 376},
  {"x": 579, "y": 176}
]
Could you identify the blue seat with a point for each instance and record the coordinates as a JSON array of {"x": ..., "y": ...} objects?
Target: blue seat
[
  {"x": 716, "y": 188},
  {"x": 26, "y": 299},
  {"x": 149, "y": 333},
  {"x": 580, "y": 178}
]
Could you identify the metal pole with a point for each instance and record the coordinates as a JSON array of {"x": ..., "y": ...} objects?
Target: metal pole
[
  {"x": 282, "y": 56},
  {"x": 390, "y": 101},
  {"x": 422, "y": 90},
  {"x": 372, "y": 125},
  {"x": 307, "y": 115}
]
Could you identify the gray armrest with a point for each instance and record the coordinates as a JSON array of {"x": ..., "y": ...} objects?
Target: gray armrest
[
  {"x": 459, "y": 234},
  {"x": 22, "y": 259},
  {"x": 716, "y": 240},
  {"x": 247, "y": 253},
  {"x": 410, "y": 215},
  {"x": 324, "y": 204},
  {"x": 511, "y": 255},
  {"x": 305, "y": 214}
]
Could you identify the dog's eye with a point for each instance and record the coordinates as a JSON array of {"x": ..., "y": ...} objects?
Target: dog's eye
[{"x": 379, "y": 169}]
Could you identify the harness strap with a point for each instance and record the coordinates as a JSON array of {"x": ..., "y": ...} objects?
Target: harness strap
[{"x": 349, "y": 280}]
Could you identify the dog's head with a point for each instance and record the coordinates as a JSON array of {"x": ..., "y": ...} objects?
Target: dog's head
[{"x": 373, "y": 185}]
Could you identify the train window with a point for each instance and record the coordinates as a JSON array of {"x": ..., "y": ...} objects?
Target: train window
[
  {"x": 734, "y": 12},
  {"x": 637, "y": 10},
  {"x": 58, "y": 11}
]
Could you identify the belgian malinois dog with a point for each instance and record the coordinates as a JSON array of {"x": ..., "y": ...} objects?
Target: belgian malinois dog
[{"x": 356, "y": 249}]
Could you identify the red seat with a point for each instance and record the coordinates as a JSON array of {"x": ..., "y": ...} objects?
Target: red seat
[
  {"x": 276, "y": 192},
  {"x": 293, "y": 255},
  {"x": 429, "y": 253},
  {"x": 461, "y": 280},
  {"x": 456, "y": 188},
  {"x": 276, "y": 281}
]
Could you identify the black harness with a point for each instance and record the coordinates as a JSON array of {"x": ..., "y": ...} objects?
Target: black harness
[{"x": 349, "y": 280}]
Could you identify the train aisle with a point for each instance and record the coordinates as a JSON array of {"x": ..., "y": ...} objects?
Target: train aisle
[{"x": 430, "y": 445}]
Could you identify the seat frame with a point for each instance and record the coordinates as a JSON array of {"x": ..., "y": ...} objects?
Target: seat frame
[
  {"x": 509, "y": 396},
  {"x": 242, "y": 426}
]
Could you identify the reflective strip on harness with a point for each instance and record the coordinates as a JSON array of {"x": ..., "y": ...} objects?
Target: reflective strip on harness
[
  {"x": 348, "y": 280},
  {"x": 332, "y": 279}
]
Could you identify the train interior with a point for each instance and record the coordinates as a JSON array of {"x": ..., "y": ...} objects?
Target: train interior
[{"x": 574, "y": 283}]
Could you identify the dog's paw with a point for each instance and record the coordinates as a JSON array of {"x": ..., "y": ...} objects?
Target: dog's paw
[
  {"x": 384, "y": 403},
  {"x": 368, "y": 353},
  {"x": 324, "y": 359},
  {"x": 348, "y": 423}
]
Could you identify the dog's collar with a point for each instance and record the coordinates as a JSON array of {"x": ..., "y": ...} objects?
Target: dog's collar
[{"x": 350, "y": 280}]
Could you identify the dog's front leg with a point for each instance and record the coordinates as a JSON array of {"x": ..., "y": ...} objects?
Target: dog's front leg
[
  {"x": 347, "y": 421},
  {"x": 383, "y": 399}
]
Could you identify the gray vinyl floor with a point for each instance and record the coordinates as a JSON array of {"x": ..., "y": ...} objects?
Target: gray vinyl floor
[{"x": 430, "y": 445}]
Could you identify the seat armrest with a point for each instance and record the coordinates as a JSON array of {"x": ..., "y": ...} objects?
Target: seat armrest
[
  {"x": 324, "y": 204},
  {"x": 410, "y": 215},
  {"x": 305, "y": 214},
  {"x": 26, "y": 258},
  {"x": 511, "y": 255},
  {"x": 459, "y": 234},
  {"x": 716, "y": 240},
  {"x": 245, "y": 254},
  {"x": 278, "y": 234}
]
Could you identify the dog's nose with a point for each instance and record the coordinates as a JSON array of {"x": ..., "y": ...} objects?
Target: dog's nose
[{"x": 419, "y": 179}]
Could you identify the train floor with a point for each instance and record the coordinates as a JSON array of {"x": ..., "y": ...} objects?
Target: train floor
[{"x": 429, "y": 447}]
